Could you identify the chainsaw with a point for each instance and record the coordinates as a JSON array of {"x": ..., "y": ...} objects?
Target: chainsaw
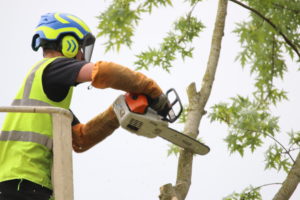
[{"x": 135, "y": 115}]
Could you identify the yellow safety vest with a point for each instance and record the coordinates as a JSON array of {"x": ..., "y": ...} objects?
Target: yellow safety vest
[{"x": 26, "y": 138}]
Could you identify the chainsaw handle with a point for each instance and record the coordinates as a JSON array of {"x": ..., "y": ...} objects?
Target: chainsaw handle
[{"x": 172, "y": 116}]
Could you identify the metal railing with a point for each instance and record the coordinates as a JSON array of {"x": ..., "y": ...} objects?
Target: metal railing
[{"x": 62, "y": 169}]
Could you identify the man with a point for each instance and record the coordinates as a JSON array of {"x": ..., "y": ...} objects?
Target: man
[{"x": 25, "y": 139}]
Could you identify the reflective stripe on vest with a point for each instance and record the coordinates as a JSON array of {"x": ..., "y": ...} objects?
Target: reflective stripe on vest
[
  {"x": 24, "y": 136},
  {"x": 27, "y": 137},
  {"x": 29, "y": 102},
  {"x": 29, "y": 80}
]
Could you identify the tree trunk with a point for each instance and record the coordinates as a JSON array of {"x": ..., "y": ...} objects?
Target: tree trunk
[
  {"x": 197, "y": 102},
  {"x": 291, "y": 182}
]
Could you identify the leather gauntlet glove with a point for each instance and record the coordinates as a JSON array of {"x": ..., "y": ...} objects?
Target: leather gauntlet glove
[
  {"x": 84, "y": 136},
  {"x": 108, "y": 74},
  {"x": 160, "y": 104}
]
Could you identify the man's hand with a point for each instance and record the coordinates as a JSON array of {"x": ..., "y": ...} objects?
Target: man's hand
[{"x": 161, "y": 105}]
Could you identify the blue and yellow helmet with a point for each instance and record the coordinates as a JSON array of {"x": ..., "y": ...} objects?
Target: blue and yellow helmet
[{"x": 54, "y": 26}]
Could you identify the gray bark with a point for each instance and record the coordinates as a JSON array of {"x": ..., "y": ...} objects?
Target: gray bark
[{"x": 291, "y": 182}]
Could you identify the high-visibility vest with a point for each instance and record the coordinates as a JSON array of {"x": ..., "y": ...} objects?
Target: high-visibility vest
[{"x": 26, "y": 138}]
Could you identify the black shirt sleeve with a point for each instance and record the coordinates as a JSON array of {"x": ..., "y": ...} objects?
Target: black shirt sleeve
[
  {"x": 59, "y": 76},
  {"x": 75, "y": 119}
]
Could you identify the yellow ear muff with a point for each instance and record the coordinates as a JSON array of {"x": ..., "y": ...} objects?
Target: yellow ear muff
[{"x": 69, "y": 46}]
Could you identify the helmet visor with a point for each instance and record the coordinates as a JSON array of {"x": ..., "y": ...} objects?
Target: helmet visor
[{"x": 88, "y": 46}]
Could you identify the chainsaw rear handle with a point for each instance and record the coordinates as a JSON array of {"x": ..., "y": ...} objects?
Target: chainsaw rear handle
[{"x": 138, "y": 103}]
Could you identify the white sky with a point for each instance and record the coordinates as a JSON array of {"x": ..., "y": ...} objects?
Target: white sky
[{"x": 126, "y": 166}]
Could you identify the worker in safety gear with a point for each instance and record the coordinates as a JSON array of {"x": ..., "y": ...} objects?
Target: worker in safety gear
[{"x": 26, "y": 138}]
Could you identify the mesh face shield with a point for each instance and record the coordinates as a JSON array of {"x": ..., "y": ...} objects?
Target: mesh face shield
[{"x": 88, "y": 46}]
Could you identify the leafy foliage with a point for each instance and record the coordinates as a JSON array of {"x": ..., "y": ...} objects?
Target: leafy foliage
[
  {"x": 183, "y": 116},
  {"x": 276, "y": 158},
  {"x": 178, "y": 41},
  {"x": 263, "y": 47},
  {"x": 193, "y": 2},
  {"x": 120, "y": 19},
  {"x": 294, "y": 138},
  {"x": 173, "y": 150},
  {"x": 118, "y": 23},
  {"x": 263, "y": 53},
  {"x": 284, "y": 14},
  {"x": 149, "y": 4},
  {"x": 265, "y": 43},
  {"x": 280, "y": 158},
  {"x": 248, "y": 124},
  {"x": 249, "y": 193}
]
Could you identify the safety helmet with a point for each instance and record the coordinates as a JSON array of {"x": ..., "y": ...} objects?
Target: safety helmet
[{"x": 64, "y": 32}]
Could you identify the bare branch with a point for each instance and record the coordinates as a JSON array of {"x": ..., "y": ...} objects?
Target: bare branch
[{"x": 265, "y": 185}]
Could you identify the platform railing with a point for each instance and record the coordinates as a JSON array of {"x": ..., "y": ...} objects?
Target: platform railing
[{"x": 62, "y": 169}]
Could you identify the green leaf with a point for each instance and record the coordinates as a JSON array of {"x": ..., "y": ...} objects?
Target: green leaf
[
  {"x": 183, "y": 116},
  {"x": 119, "y": 21},
  {"x": 277, "y": 159},
  {"x": 173, "y": 150},
  {"x": 249, "y": 193},
  {"x": 294, "y": 138},
  {"x": 178, "y": 41},
  {"x": 248, "y": 121}
]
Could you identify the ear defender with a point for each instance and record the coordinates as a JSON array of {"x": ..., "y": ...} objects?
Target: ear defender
[{"x": 69, "y": 46}]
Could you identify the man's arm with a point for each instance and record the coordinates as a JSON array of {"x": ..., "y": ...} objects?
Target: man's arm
[
  {"x": 108, "y": 75},
  {"x": 85, "y": 136},
  {"x": 111, "y": 75},
  {"x": 85, "y": 73}
]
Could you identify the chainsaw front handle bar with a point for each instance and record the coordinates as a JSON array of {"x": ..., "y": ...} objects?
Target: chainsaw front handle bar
[{"x": 172, "y": 116}]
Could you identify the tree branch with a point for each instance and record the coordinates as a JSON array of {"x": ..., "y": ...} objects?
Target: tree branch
[
  {"x": 189, "y": 15},
  {"x": 293, "y": 149},
  {"x": 197, "y": 102},
  {"x": 291, "y": 182},
  {"x": 273, "y": 138},
  {"x": 286, "y": 151},
  {"x": 276, "y": 141},
  {"x": 269, "y": 184},
  {"x": 167, "y": 192},
  {"x": 289, "y": 42}
]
